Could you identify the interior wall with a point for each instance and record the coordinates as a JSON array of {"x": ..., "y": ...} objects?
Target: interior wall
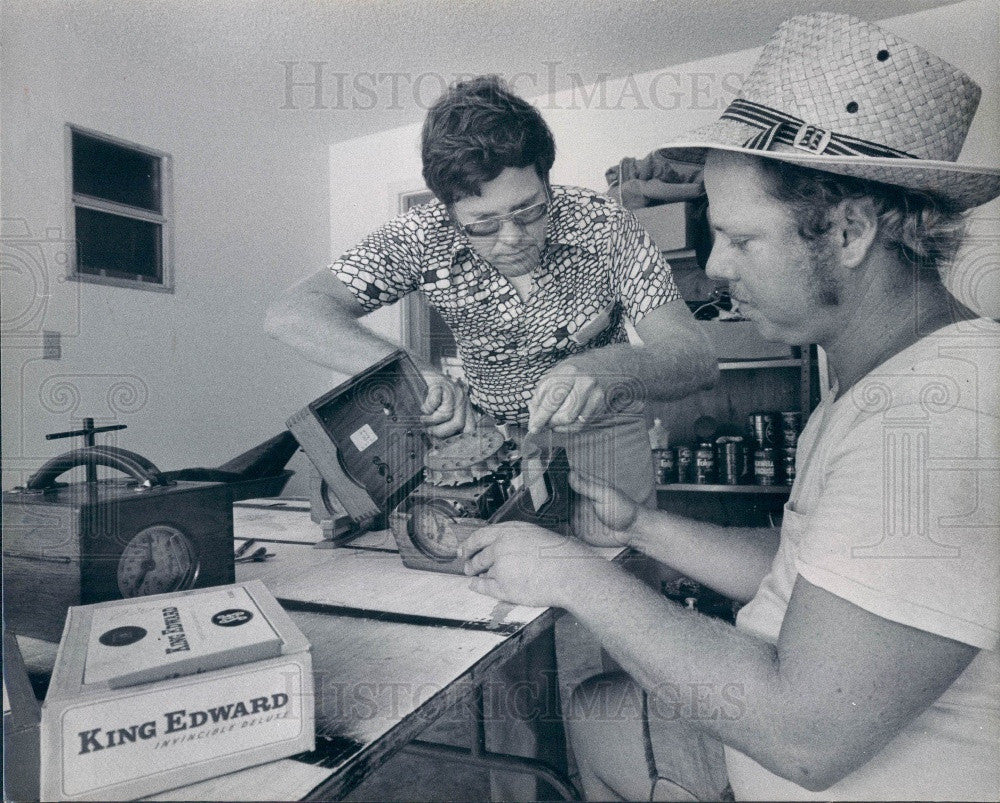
[{"x": 192, "y": 372}]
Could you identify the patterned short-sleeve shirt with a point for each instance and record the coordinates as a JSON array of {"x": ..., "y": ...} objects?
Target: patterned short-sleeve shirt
[{"x": 598, "y": 266}]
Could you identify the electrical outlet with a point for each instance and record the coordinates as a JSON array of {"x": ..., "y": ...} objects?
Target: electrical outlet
[{"x": 51, "y": 345}]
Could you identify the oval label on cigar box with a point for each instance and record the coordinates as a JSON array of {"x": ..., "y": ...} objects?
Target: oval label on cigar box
[
  {"x": 122, "y": 636},
  {"x": 232, "y": 617}
]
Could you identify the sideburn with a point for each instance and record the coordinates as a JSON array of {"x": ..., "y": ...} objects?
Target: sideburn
[{"x": 824, "y": 287}]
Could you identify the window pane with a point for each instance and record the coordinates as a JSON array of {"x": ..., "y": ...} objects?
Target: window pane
[
  {"x": 111, "y": 245},
  {"x": 115, "y": 173}
]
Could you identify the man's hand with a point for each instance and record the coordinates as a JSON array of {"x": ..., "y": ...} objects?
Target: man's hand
[
  {"x": 615, "y": 510},
  {"x": 567, "y": 397},
  {"x": 525, "y": 564},
  {"x": 446, "y": 408}
]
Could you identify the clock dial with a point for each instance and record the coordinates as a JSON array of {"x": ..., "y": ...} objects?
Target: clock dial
[
  {"x": 433, "y": 530},
  {"x": 158, "y": 559}
]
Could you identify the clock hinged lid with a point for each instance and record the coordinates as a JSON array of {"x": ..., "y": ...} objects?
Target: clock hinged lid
[{"x": 365, "y": 436}]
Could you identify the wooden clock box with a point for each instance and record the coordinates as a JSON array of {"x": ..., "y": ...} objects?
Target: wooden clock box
[{"x": 86, "y": 542}]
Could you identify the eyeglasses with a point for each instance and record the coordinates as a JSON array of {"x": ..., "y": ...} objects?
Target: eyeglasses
[{"x": 522, "y": 217}]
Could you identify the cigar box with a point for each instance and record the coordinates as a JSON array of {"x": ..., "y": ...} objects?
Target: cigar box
[
  {"x": 157, "y": 692},
  {"x": 20, "y": 726}
]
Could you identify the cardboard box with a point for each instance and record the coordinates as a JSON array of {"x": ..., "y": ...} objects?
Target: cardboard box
[
  {"x": 157, "y": 692},
  {"x": 20, "y": 726}
]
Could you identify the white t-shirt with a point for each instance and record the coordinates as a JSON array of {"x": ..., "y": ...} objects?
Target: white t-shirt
[{"x": 895, "y": 508}]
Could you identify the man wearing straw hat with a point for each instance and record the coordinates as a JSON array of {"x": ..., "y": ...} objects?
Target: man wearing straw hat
[{"x": 864, "y": 663}]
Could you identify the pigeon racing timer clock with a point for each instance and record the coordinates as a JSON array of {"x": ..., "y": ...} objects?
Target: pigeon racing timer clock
[
  {"x": 79, "y": 543},
  {"x": 366, "y": 441}
]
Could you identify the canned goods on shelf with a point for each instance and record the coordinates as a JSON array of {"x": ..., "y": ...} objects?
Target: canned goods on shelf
[
  {"x": 666, "y": 465},
  {"x": 731, "y": 459},
  {"x": 704, "y": 464},
  {"x": 788, "y": 460},
  {"x": 791, "y": 427},
  {"x": 685, "y": 463},
  {"x": 764, "y": 429},
  {"x": 765, "y": 470}
]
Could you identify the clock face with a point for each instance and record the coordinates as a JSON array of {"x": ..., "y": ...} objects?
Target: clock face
[
  {"x": 432, "y": 529},
  {"x": 158, "y": 559}
]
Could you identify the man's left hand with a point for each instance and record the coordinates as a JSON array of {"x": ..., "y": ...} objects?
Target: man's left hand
[
  {"x": 524, "y": 564},
  {"x": 567, "y": 397}
]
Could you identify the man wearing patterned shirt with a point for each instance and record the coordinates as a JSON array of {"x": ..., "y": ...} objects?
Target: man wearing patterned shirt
[{"x": 534, "y": 280}]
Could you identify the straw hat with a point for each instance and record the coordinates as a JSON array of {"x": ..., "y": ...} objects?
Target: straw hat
[{"x": 839, "y": 94}]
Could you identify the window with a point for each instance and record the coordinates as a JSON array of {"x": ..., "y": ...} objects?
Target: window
[{"x": 119, "y": 212}]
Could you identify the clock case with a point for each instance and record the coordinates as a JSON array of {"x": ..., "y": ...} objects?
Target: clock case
[
  {"x": 366, "y": 441},
  {"x": 62, "y": 542}
]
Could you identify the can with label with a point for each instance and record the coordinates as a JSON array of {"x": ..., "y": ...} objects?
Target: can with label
[
  {"x": 666, "y": 465},
  {"x": 788, "y": 459},
  {"x": 685, "y": 463},
  {"x": 731, "y": 458},
  {"x": 765, "y": 470},
  {"x": 764, "y": 429},
  {"x": 791, "y": 426},
  {"x": 704, "y": 464}
]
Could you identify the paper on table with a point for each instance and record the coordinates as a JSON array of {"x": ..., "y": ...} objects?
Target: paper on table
[
  {"x": 378, "y": 581},
  {"x": 277, "y": 523}
]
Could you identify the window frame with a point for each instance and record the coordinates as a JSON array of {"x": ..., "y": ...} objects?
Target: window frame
[{"x": 164, "y": 219}]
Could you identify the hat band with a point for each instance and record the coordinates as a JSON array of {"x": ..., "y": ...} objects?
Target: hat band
[{"x": 777, "y": 127}]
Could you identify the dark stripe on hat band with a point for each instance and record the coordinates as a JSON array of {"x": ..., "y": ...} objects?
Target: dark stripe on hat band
[{"x": 780, "y": 127}]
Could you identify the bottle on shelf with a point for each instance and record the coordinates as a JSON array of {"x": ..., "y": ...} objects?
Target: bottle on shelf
[
  {"x": 663, "y": 456},
  {"x": 659, "y": 437}
]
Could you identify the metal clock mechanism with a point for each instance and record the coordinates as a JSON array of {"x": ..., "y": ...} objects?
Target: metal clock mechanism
[
  {"x": 377, "y": 467},
  {"x": 467, "y": 477}
]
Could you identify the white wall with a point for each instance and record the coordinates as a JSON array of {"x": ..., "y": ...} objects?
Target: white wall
[
  {"x": 634, "y": 116},
  {"x": 191, "y": 373}
]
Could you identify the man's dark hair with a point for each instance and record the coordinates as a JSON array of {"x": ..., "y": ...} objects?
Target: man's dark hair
[
  {"x": 921, "y": 229},
  {"x": 476, "y": 130}
]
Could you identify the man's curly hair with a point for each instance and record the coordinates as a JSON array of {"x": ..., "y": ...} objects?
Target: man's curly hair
[
  {"x": 922, "y": 230},
  {"x": 476, "y": 130}
]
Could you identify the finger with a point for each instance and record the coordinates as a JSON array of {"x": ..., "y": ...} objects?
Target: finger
[
  {"x": 591, "y": 409},
  {"x": 487, "y": 586},
  {"x": 480, "y": 539},
  {"x": 445, "y": 410},
  {"x": 461, "y": 414},
  {"x": 433, "y": 399},
  {"x": 585, "y": 486},
  {"x": 550, "y": 396},
  {"x": 569, "y": 411},
  {"x": 452, "y": 426},
  {"x": 593, "y": 405},
  {"x": 536, "y": 420},
  {"x": 481, "y": 561}
]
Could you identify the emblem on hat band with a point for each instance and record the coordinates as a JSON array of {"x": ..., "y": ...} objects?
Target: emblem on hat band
[{"x": 777, "y": 127}]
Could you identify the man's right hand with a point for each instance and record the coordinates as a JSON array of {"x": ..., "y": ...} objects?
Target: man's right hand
[
  {"x": 445, "y": 409},
  {"x": 616, "y": 513}
]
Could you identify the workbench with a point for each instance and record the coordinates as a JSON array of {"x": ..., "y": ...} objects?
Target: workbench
[{"x": 393, "y": 649}]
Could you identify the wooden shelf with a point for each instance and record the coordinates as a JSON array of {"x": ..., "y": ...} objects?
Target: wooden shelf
[
  {"x": 744, "y": 365},
  {"x": 776, "y": 490}
]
